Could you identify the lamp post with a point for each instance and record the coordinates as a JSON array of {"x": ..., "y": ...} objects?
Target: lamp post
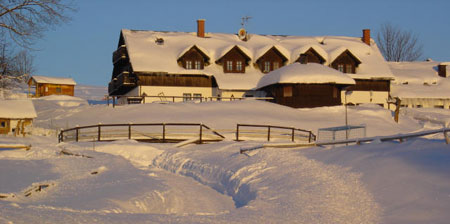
[{"x": 346, "y": 116}]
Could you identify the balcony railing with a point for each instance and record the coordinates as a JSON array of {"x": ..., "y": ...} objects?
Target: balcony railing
[
  {"x": 119, "y": 54},
  {"x": 121, "y": 83}
]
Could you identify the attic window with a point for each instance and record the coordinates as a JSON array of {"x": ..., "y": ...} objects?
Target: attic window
[{"x": 159, "y": 41}]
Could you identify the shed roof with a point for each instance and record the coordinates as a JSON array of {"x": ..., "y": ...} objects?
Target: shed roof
[{"x": 17, "y": 109}]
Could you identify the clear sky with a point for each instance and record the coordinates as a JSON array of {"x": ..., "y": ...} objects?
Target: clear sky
[{"x": 82, "y": 49}]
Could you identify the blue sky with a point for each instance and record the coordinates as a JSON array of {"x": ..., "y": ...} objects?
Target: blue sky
[{"x": 82, "y": 49}]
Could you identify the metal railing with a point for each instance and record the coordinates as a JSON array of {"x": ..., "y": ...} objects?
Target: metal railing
[
  {"x": 271, "y": 132},
  {"x": 150, "y": 132}
]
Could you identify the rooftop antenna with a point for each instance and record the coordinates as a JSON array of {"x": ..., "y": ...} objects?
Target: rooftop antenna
[
  {"x": 242, "y": 32},
  {"x": 245, "y": 20}
]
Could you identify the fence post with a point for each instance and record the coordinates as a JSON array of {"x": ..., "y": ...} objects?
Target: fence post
[
  {"x": 129, "y": 131},
  {"x": 268, "y": 133},
  {"x": 201, "y": 133},
  {"x": 237, "y": 132},
  {"x": 61, "y": 136},
  {"x": 293, "y": 130},
  {"x": 447, "y": 138},
  {"x": 76, "y": 133},
  {"x": 164, "y": 132},
  {"x": 310, "y": 135},
  {"x": 99, "y": 131}
]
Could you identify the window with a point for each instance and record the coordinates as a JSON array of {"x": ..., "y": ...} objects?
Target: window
[
  {"x": 198, "y": 65},
  {"x": 287, "y": 91},
  {"x": 186, "y": 97},
  {"x": 229, "y": 65},
  {"x": 267, "y": 66},
  {"x": 188, "y": 64},
  {"x": 276, "y": 65},
  {"x": 239, "y": 66},
  {"x": 348, "y": 68},
  {"x": 197, "y": 96},
  {"x": 3, "y": 124},
  {"x": 58, "y": 89},
  {"x": 341, "y": 67}
]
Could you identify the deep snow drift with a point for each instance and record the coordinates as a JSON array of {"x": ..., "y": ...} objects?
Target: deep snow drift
[{"x": 130, "y": 182}]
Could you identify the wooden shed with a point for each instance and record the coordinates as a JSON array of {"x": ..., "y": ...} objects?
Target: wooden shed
[
  {"x": 16, "y": 116},
  {"x": 45, "y": 86},
  {"x": 305, "y": 85}
]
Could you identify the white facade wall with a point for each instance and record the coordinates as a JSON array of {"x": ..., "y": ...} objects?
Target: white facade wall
[
  {"x": 359, "y": 97},
  {"x": 425, "y": 103}
]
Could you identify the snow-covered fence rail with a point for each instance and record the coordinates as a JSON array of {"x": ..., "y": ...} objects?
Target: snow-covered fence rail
[
  {"x": 152, "y": 132},
  {"x": 270, "y": 132},
  {"x": 399, "y": 137}
]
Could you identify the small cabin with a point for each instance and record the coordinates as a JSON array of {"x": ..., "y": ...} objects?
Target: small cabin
[
  {"x": 46, "y": 86},
  {"x": 16, "y": 116},
  {"x": 305, "y": 85}
]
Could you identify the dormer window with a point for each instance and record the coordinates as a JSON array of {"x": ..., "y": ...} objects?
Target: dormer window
[
  {"x": 239, "y": 66},
  {"x": 229, "y": 66},
  {"x": 266, "y": 66},
  {"x": 198, "y": 65},
  {"x": 194, "y": 58},
  {"x": 188, "y": 65},
  {"x": 234, "y": 61},
  {"x": 346, "y": 62},
  {"x": 271, "y": 60},
  {"x": 312, "y": 56}
]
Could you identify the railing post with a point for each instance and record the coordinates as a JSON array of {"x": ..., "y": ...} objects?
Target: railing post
[
  {"x": 310, "y": 135},
  {"x": 293, "y": 132},
  {"x": 268, "y": 133},
  {"x": 201, "y": 133},
  {"x": 76, "y": 133},
  {"x": 447, "y": 138},
  {"x": 99, "y": 131},
  {"x": 129, "y": 131},
  {"x": 237, "y": 132},
  {"x": 164, "y": 132}
]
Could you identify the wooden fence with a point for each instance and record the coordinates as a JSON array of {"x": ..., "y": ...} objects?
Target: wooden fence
[
  {"x": 149, "y": 132},
  {"x": 270, "y": 132}
]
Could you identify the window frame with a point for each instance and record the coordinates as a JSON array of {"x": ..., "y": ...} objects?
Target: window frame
[{"x": 266, "y": 67}]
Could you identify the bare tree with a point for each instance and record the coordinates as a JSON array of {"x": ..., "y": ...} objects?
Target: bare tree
[
  {"x": 26, "y": 20},
  {"x": 398, "y": 45}
]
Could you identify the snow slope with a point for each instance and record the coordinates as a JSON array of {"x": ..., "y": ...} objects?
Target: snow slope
[{"x": 130, "y": 182}]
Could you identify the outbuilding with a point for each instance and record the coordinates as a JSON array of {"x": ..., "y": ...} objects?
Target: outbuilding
[
  {"x": 305, "y": 85},
  {"x": 46, "y": 86},
  {"x": 16, "y": 116}
]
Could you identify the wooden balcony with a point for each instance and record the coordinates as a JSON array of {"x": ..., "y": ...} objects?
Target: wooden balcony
[
  {"x": 121, "y": 84},
  {"x": 120, "y": 54}
]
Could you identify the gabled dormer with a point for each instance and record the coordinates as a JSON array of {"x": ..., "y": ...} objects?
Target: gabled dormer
[
  {"x": 312, "y": 56},
  {"x": 271, "y": 60},
  {"x": 346, "y": 62},
  {"x": 193, "y": 58},
  {"x": 234, "y": 61}
]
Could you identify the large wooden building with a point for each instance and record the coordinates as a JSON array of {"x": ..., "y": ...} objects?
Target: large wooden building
[
  {"x": 152, "y": 65},
  {"x": 46, "y": 86}
]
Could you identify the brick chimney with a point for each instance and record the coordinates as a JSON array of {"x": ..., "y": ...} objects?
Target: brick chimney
[
  {"x": 303, "y": 59},
  {"x": 442, "y": 70},
  {"x": 201, "y": 28},
  {"x": 366, "y": 36}
]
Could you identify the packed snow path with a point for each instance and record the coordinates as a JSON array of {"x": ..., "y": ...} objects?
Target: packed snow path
[{"x": 219, "y": 186}]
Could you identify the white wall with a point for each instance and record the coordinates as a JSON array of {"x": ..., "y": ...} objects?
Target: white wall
[{"x": 358, "y": 97}]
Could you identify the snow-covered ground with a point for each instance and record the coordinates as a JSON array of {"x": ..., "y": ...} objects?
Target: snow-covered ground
[{"x": 130, "y": 182}]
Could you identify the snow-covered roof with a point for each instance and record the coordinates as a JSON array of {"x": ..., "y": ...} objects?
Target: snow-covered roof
[
  {"x": 148, "y": 56},
  {"x": 53, "y": 80},
  {"x": 311, "y": 73},
  {"x": 419, "y": 80},
  {"x": 17, "y": 109}
]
